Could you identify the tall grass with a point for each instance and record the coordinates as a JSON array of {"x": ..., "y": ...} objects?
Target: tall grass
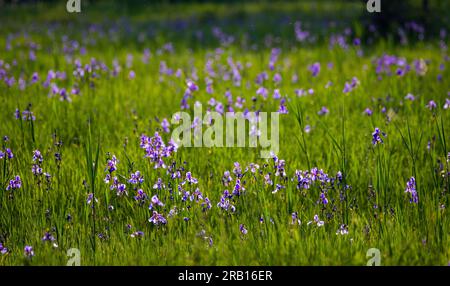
[{"x": 112, "y": 112}]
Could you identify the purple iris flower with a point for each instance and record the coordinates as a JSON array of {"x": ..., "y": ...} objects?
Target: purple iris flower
[
  {"x": 37, "y": 156},
  {"x": 91, "y": 198},
  {"x": 107, "y": 178},
  {"x": 303, "y": 179},
  {"x": 159, "y": 185},
  {"x": 295, "y": 219},
  {"x": 34, "y": 77},
  {"x": 9, "y": 153},
  {"x": 156, "y": 201},
  {"x": 431, "y": 105},
  {"x": 238, "y": 188},
  {"x": 140, "y": 195},
  {"x": 225, "y": 204},
  {"x": 14, "y": 184},
  {"x": 262, "y": 92},
  {"x": 137, "y": 234},
  {"x": 212, "y": 101},
  {"x": 400, "y": 72},
  {"x": 447, "y": 104},
  {"x": 348, "y": 87},
  {"x": 165, "y": 125},
  {"x": 192, "y": 86},
  {"x": 276, "y": 94},
  {"x": 260, "y": 78},
  {"x": 3, "y": 249},
  {"x": 219, "y": 108},
  {"x": 226, "y": 179},
  {"x": 410, "y": 97},
  {"x": 27, "y": 115},
  {"x": 307, "y": 128},
  {"x": 283, "y": 109},
  {"x": 278, "y": 187},
  {"x": 339, "y": 175},
  {"x": 48, "y": 237},
  {"x": 17, "y": 113},
  {"x": 280, "y": 168},
  {"x": 157, "y": 219},
  {"x": 377, "y": 136},
  {"x": 317, "y": 221},
  {"x": 411, "y": 189},
  {"x": 343, "y": 230},
  {"x": 323, "y": 198},
  {"x": 368, "y": 111},
  {"x": 277, "y": 78},
  {"x": 314, "y": 69},
  {"x": 64, "y": 95},
  {"x": 28, "y": 251},
  {"x": 136, "y": 178},
  {"x": 242, "y": 229},
  {"x": 122, "y": 190},
  {"x": 112, "y": 164},
  {"x": 209, "y": 88},
  {"x": 189, "y": 179},
  {"x": 323, "y": 111},
  {"x": 299, "y": 92},
  {"x": 36, "y": 169},
  {"x": 206, "y": 205}
]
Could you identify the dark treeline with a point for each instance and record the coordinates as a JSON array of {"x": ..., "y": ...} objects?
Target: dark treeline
[{"x": 432, "y": 15}]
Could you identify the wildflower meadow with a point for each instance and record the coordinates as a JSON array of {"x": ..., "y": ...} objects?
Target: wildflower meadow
[{"x": 256, "y": 133}]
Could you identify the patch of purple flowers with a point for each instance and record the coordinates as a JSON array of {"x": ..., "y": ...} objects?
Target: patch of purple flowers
[
  {"x": 156, "y": 150},
  {"x": 14, "y": 184},
  {"x": 157, "y": 219}
]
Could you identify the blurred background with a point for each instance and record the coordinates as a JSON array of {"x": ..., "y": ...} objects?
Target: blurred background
[{"x": 178, "y": 15}]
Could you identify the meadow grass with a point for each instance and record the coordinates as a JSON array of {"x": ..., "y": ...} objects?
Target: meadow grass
[{"x": 111, "y": 113}]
